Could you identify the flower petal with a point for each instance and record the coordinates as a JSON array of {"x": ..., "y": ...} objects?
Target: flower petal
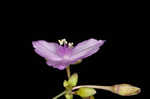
[
  {"x": 86, "y": 48},
  {"x": 56, "y": 64},
  {"x": 46, "y": 50}
]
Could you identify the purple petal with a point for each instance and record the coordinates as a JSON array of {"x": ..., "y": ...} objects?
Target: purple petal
[
  {"x": 86, "y": 48},
  {"x": 46, "y": 50},
  {"x": 56, "y": 64}
]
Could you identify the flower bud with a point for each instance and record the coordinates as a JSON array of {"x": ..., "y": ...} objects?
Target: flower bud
[
  {"x": 86, "y": 92},
  {"x": 126, "y": 90}
]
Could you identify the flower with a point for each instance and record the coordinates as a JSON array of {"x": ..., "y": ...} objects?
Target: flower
[{"x": 60, "y": 56}]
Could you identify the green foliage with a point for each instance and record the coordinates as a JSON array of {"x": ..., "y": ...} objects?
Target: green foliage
[
  {"x": 69, "y": 96},
  {"x": 73, "y": 80},
  {"x": 65, "y": 84}
]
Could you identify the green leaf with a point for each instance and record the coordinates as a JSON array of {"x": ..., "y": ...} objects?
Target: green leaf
[
  {"x": 69, "y": 96},
  {"x": 73, "y": 79},
  {"x": 65, "y": 84},
  {"x": 86, "y": 92}
]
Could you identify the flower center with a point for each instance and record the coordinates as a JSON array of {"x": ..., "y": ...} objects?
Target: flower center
[
  {"x": 65, "y": 48},
  {"x": 66, "y": 57},
  {"x": 64, "y": 42}
]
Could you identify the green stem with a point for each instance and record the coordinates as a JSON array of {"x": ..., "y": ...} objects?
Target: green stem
[
  {"x": 68, "y": 72},
  {"x": 59, "y": 95}
]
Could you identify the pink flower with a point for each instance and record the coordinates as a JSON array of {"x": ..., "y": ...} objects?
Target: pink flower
[{"x": 60, "y": 56}]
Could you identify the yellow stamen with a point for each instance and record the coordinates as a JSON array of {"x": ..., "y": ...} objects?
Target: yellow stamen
[
  {"x": 65, "y": 42},
  {"x": 70, "y": 44},
  {"x": 62, "y": 41}
]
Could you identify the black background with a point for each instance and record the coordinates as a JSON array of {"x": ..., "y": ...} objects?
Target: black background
[{"x": 107, "y": 67}]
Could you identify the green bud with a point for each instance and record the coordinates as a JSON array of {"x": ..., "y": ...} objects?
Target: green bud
[
  {"x": 69, "y": 96},
  {"x": 73, "y": 79},
  {"x": 86, "y": 92},
  {"x": 65, "y": 84},
  {"x": 126, "y": 90}
]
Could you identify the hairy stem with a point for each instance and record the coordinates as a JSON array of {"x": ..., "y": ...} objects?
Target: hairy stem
[
  {"x": 108, "y": 88},
  {"x": 59, "y": 95}
]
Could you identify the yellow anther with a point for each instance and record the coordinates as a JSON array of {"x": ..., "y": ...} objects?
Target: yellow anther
[
  {"x": 65, "y": 42},
  {"x": 70, "y": 44},
  {"x": 60, "y": 42}
]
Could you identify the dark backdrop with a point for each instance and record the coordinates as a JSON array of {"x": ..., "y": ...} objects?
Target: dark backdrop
[{"x": 107, "y": 67}]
